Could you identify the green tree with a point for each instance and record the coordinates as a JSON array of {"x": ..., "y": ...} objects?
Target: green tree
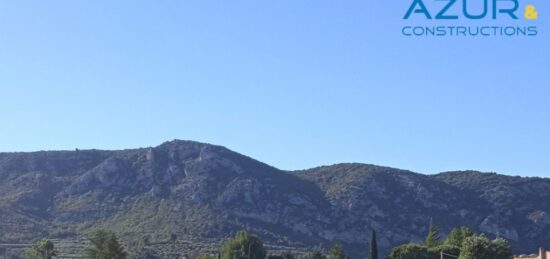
[
  {"x": 409, "y": 251},
  {"x": 476, "y": 247},
  {"x": 42, "y": 249},
  {"x": 105, "y": 245},
  {"x": 337, "y": 251},
  {"x": 502, "y": 249},
  {"x": 432, "y": 239},
  {"x": 373, "y": 246},
  {"x": 479, "y": 247},
  {"x": 457, "y": 236},
  {"x": 243, "y": 246},
  {"x": 460, "y": 242}
]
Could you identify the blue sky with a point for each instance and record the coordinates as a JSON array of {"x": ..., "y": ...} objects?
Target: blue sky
[{"x": 292, "y": 83}]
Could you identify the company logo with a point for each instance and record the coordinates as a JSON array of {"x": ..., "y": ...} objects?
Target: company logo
[
  {"x": 531, "y": 13},
  {"x": 487, "y": 15}
]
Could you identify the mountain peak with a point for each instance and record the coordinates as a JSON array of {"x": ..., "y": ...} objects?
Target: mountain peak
[{"x": 187, "y": 191}]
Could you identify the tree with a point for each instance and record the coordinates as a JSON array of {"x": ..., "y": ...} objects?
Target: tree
[
  {"x": 337, "y": 251},
  {"x": 479, "y": 247},
  {"x": 373, "y": 246},
  {"x": 457, "y": 236},
  {"x": 42, "y": 249},
  {"x": 502, "y": 249},
  {"x": 460, "y": 242},
  {"x": 243, "y": 246},
  {"x": 409, "y": 251},
  {"x": 105, "y": 245},
  {"x": 432, "y": 239},
  {"x": 475, "y": 247}
]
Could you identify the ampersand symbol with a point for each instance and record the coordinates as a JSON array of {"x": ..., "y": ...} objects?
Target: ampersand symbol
[{"x": 531, "y": 13}]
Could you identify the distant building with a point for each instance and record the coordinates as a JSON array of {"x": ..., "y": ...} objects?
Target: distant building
[{"x": 543, "y": 254}]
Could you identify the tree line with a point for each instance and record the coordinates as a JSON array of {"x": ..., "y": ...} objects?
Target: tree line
[
  {"x": 461, "y": 243},
  {"x": 103, "y": 245}
]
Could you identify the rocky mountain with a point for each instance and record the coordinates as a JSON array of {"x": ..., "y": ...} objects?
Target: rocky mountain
[{"x": 183, "y": 197}]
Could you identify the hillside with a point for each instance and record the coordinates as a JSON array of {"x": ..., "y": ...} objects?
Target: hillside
[{"x": 185, "y": 196}]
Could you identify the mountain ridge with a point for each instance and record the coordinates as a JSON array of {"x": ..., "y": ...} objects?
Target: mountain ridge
[{"x": 168, "y": 199}]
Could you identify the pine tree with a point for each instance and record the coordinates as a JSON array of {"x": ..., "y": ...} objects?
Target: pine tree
[
  {"x": 337, "y": 251},
  {"x": 457, "y": 236},
  {"x": 432, "y": 239},
  {"x": 373, "y": 246}
]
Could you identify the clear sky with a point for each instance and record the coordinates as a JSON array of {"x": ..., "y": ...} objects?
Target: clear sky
[{"x": 292, "y": 83}]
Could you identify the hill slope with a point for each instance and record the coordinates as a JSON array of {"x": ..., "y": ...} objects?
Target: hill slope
[{"x": 183, "y": 196}]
